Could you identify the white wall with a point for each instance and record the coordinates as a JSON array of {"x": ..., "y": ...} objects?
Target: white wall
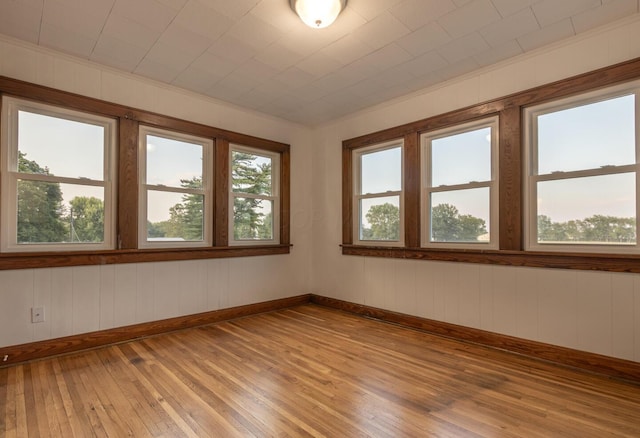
[
  {"x": 88, "y": 298},
  {"x": 592, "y": 311}
]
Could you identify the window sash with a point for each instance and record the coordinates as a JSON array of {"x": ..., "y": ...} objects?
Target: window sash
[
  {"x": 428, "y": 189},
  {"x": 11, "y": 175},
  {"x": 206, "y": 191},
  {"x": 274, "y": 198},
  {"x": 358, "y": 196},
  {"x": 533, "y": 178}
]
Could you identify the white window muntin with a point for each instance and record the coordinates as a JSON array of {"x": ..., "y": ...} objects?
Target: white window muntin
[
  {"x": 274, "y": 197},
  {"x": 206, "y": 191},
  {"x": 532, "y": 178},
  {"x": 9, "y": 167},
  {"x": 492, "y": 184},
  {"x": 358, "y": 196}
]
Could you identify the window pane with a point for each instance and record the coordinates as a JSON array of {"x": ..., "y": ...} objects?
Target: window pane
[
  {"x": 381, "y": 171},
  {"x": 251, "y": 173},
  {"x": 380, "y": 218},
  {"x": 252, "y": 219},
  {"x": 599, "y": 209},
  {"x": 461, "y": 158},
  {"x": 55, "y": 146},
  {"x": 174, "y": 217},
  {"x": 460, "y": 216},
  {"x": 59, "y": 213},
  {"x": 587, "y": 136},
  {"x": 174, "y": 163}
]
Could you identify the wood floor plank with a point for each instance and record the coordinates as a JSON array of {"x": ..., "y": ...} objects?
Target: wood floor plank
[{"x": 309, "y": 371}]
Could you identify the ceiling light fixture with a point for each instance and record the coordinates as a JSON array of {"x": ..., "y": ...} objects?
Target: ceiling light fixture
[{"x": 318, "y": 13}]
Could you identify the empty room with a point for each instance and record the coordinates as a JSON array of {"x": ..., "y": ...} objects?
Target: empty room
[{"x": 323, "y": 218}]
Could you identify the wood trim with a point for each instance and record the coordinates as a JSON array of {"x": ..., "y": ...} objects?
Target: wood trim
[
  {"x": 129, "y": 120},
  {"x": 584, "y": 262},
  {"x": 609, "y": 366},
  {"x": 510, "y": 184},
  {"x": 70, "y": 344},
  {"x": 285, "y": 197},
  {"x": 347, "y": 195},
  {"x": 66, "y": 259},
  {"x": 127, "y": 205},
  {"x": 221, "y": 188},
  {"x": 511, "y": 177},
  {"x": 412, "y": 213}
]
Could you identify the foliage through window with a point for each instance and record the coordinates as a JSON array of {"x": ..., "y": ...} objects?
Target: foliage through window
[
  {"x": 582, "y": 161},
  {"x": 459, "y": 174},
  {"x": 378, "y": 194},
  {"x": 57, "y": 178},
  {"x": 254, "y": 196},
  {"x": 176, "y": 192}
]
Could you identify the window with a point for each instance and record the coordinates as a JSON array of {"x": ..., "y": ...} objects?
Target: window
[
  {"x": 378, "y": 194},
  {"x": 57, "y": 178},
  {"x": 254, "y": 200},
  {"x": 459, "y": 180},
  {"x": 175, "y": 189},
  {"x": 582, "y": 184}
]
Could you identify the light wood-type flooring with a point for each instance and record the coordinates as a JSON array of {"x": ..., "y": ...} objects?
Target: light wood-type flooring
[{"x": 309, "y": 371}]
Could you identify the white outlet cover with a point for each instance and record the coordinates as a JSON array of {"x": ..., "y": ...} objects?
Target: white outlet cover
[{"x": 37, "y": 314}]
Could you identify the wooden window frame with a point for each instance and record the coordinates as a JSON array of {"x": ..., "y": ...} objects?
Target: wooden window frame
[
  {"x": 126, "y": 167},
  {"x": 492, "y": 184},
  {"x": 358, "y": 195},
  {"x": 509, "y": 110},
  {"x": 274, "y": 197}
]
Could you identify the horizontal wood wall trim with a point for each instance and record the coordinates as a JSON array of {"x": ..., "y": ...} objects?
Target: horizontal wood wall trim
[
  {"x": 605, "y": 365},
  {"x": 69, "y": 344},
  {"x": 66, "y": 259},
  {"x": 584, "y": 262}
]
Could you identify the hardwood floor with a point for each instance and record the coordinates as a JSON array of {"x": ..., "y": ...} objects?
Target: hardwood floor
[{"x": 309, "y": 371}]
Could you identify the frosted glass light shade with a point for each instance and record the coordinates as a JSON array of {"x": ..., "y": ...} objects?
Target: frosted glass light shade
[{"x": 318, "y": 13}]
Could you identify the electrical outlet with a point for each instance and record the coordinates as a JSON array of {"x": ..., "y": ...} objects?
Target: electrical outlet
[{"x": 37, "y": 314}]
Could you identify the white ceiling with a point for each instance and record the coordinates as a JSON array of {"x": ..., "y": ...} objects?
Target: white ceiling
[{"x": 259, "y": 55}]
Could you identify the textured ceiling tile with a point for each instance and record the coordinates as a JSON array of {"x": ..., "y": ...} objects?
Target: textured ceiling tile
[
  {"x": 499, "y": 53},
  {"x": 234, "y": 9},
  {"x": 21, "y": 19},
  {"x": 195, "y": 79},
  {"x": 346, "y": 50},
  {"x": 546, "y": 35},
  {"x": 549, "y": 12},
  {"x": 469, "y": 18},
  {"x": 149, "y": 13},
  {"x": 170, "y": 55},
  {"x": 203, "y": 20},
  {"x": 381, "y": 31},
  {"x": 463, "y": 48},
  {"x": 173, "y": 4},
  {"x": 608, "y": 12},
  {"x": 80, "y": 19},
  {"x": 318, "y": 64},
  {"x": 231, "y": 48},
  {"x": 155, "y": 70},
  {"x": 278, "y": 14},
  {"x": 214, "y": 64},
  {"x": 370, "y": 9},
  {"x": 66, "y": 40},
  {"x": 278, "y": 57},
  {"x": 415, "y": 13},
  {"x": 124, "y": 29},
  {"x": 117, "y": 53},
  {"x": 255, "y": 32},
  {"x": 510, "y": 7},
  {"x": 383, "y": 59},
  {"x": 424, "y": 39},
  {"x": 510, "y": 28},
  {"x": 425, "y": 64},
  {"x": 184, "y": 39}
]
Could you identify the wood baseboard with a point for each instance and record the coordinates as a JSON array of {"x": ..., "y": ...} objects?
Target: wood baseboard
[
  {"x": 605, "y": 365},
  {"x": 69, "y": 344}
]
